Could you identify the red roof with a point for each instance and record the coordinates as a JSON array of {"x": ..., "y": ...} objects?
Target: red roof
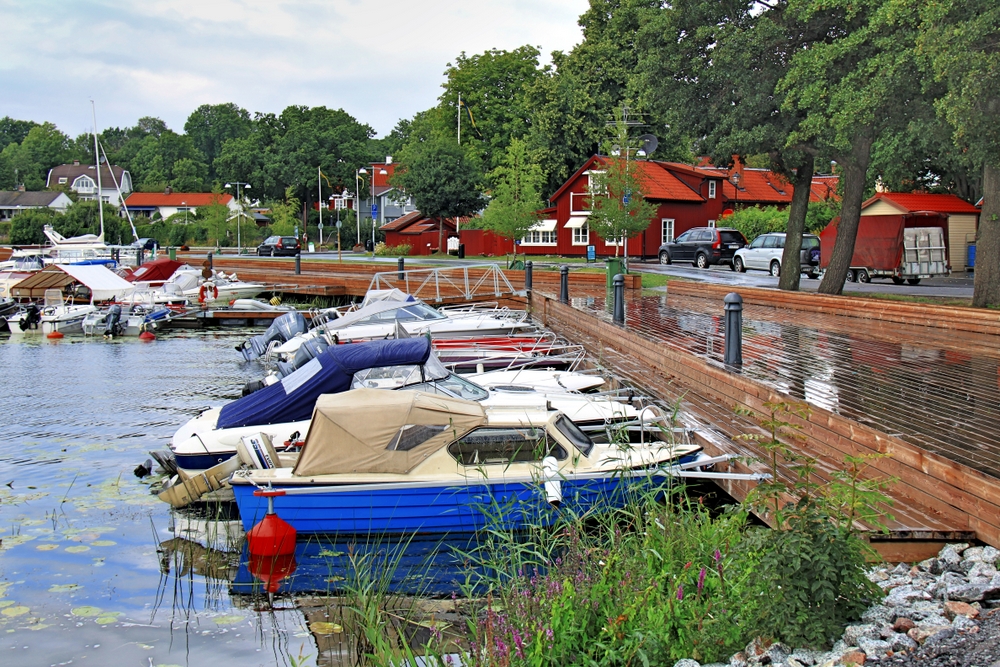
[
  {"x": 192, "y": 199},
  {"x": 661, "y": 184},
  {"x": 382, "y": 180},
  {"x": 416, "y": 223},
  {"x": 909, "y": 202},
  {"x": 402, "y": 222}
]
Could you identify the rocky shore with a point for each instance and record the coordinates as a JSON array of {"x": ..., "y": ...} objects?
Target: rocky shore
[{"x": 942, "y": 612}]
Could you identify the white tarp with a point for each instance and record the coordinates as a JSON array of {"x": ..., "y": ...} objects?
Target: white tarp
[{"x": 104, "y": 284}]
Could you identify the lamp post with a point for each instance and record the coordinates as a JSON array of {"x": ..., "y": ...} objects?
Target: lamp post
[
  {"x": 357, "y": 200},
  {"x": 239, "y": 211},
  {"x": 185, "y": 204},
  {"x": 382, "y": 172},
  {"x": 735, "y": 180}
]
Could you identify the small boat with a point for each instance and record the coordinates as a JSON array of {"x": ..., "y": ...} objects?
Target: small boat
[
  {"x": 117, "y": 320},
  {"x": 534, "y": 379},
  {"x": 60, "y": 316},
  {"x": 188, "y": 285},
  {"x": 401, "y": 462}
]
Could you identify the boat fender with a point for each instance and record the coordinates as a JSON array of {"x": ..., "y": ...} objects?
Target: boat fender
[
  {"x": 553, "y": 483},
  {"x": 207, "y": 289}
]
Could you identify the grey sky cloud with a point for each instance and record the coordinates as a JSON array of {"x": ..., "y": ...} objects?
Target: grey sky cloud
[{"x": 378, "y": 60}]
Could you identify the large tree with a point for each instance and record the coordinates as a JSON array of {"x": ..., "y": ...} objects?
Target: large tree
[
  {"x": 212, "y": 125},
  {"x": 28, "y": 163},
  {"x": 516, "y": 198}
]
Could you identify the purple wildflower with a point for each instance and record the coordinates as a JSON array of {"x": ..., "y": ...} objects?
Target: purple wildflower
[
  {"x": 717, "y": 555},
  {"x": 701, "y": 580},
  {"x": 680, "y": 591}
]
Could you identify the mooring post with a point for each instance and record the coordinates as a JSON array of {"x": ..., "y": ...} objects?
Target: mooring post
[
  {"x": 140, "y": 256},
  {"x": 734, "y": 330},
  {"x": 399, "y": 265},
  {"x": 527, "y": 275},
  {"x": 210, "y": 268},
  {"x": 298, "y": 265},
  {"x": 619, "y": 284},
  {"x": 564, "y": 284}
]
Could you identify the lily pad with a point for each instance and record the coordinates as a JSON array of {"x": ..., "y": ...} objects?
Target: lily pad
[
  {"x": 324, "y": 628},
  {"x": 232, "y": 619},
  {"x": 107, "y": 618},
  {"x": 87, "y": 611},
  {"x": 80, "y": 548},
  {"x": 5, "y": 603},
  {"x": 19, "y": 610},
  {"x": 47, "y": 547},
  {"x": 63, "y": 588},
  {"x": 103, "y": 543}
]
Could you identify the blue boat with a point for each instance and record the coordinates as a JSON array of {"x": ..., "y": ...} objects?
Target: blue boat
[{"x": 406, "y": 462}]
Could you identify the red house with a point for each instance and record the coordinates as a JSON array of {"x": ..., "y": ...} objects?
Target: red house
[{"x": 421, "y": 233}]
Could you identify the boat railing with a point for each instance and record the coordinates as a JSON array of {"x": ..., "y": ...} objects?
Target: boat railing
[{"x": 439, "y": 283}]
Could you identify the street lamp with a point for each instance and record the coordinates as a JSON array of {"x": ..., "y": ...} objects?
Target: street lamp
[
  {"x": 185, "y": 204},
  {"x": 357, "y": 200},
  {"x": 382, "y": 172},
  {"x": 239, "y": 210},
  {"x": 735, "y": 180}
]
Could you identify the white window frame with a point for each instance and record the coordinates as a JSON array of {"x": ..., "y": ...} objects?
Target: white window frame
[
  {"x": 539, "y": 238},
  {"x": 63, "y": 180},
  {"x": 711, "y": 224},
  {"x": 582, "y": 232},
  {"x": 590, "y": 183},
  {"x": 711, "y": 189},
  {"x": 667, "y": 224},
  {"x": 339, "y": 203}
]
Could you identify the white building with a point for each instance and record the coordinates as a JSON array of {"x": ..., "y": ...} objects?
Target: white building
[{"x": 82, "y": 179}]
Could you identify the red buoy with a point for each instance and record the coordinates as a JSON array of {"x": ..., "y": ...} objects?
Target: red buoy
[
  {"x": 54, "y": 335},
  {"x": 272, "y": 569},
  {"x": 272, "y": 536},
  {"x": 146, "y": 335}
]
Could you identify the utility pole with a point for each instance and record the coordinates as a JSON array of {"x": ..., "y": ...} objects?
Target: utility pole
[{"x": 460, "y": 119}]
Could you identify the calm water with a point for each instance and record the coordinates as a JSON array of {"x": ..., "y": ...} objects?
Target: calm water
[{"x": 81, "y": 565}]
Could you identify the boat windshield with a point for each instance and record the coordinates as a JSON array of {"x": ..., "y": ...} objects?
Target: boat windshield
[
  {"x": 454, "y": 385},
  {"x": 573, "y": 433},
  {"x": 413, "y": 312}
]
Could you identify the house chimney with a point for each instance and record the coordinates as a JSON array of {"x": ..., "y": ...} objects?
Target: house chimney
[
  {"x": 388, "y": 159},
  {"x": 20, "y": 188},
  {"x": 168, "y": 190},
  {"x": 76, "y": 163}
]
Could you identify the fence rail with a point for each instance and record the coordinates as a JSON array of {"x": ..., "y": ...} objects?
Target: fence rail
[{"x": 437, "y": 284}]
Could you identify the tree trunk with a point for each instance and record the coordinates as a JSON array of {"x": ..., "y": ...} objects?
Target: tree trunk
[
  {"x": 855, "y": 174},
  {"x": 790, "y": 258},
  {"x": 440, "y": 233},
  {"x": 987, "y": 281}
]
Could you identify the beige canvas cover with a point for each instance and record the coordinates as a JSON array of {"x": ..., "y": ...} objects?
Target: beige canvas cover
[{"x": 382, "y": 431}]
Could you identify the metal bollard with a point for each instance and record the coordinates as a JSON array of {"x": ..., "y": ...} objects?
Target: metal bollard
[
  {"x": 139, "y": 256},
  {"x": 527, "y": 275},
  {"x": 298, "y": 264},
  {"x": 734, "y": 330},
  {"x": 210, "y": 260},
  {"x": 619, "y": 284},
  {"x": 564, "y": 284},
  {"x": 399, "y": 265}
]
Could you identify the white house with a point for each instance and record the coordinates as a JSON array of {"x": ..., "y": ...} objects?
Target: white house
[
  {"x": 13, "y": 202},
  {"x": 82, "y": 179}
]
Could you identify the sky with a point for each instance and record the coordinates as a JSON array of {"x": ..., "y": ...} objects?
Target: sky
[{"x": 379, "y": 60}]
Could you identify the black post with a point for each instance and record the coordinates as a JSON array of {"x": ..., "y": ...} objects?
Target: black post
[
  {"x": 527, "y": 276},
  {"x": 298, "y": 264},
  {"x": 564, "y": 284},
  {"x": 734, "y": 330},
  {"x": 399, "y": 264},
  {"x": 140, "y": 256},
  {"x": 619, "y": 282},
  {"x": 210, "y": 260}
]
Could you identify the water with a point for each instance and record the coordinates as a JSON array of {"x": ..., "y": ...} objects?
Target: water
[{"x": 80, "y": 562}]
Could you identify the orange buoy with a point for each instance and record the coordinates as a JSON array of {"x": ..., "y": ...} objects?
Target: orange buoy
[
  {"x": 54, "y": 335},
  {"x": 272, "y": 536},
  {"x": 147, "y": 335}
]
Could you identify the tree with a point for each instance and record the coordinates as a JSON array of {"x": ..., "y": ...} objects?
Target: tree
[
  {"x": 26, "y": 227},
  {"x": 619, "y": 209},
  {"x": 212, "y": 125},
  {"x": 517, "y": 182},
  {"x": 215, "y": 218},
  {"x": 443, "y": 179},
  {"x": 158, "y": 158},
  {"x": 43, "y": 147},
  {"x": 14, "y": 131},
  {"x": 285, "y": 213},
  {"x": 958, "y": 45},
  {"x": 84, "y": 218}
]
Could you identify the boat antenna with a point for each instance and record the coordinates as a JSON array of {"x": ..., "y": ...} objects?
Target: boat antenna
[
  {"x": 121, "y": 196},
  {"x": 97, "y": 165}
]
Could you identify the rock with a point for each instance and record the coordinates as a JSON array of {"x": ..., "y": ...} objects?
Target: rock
[
  {"x": 899, "y": 641},
  {"x": 966, "y": 592},
  {"x": 991, "y": 555},
  {"x": 926, "y": 565},
  {"x": 981, "y": 570},
  {"x": 878, "y": 614},
  {"x": 755, "y": 650},
  {"x": 958, "y": 548},
  {"x": 776, "y": 654},
  {"x": 876, "y": 576},
  {"x": 932, "y": 621},
  {"x": 940, "y": 636},
  {"x": 902, "y": 568},
  {"x": 885, "y": 630},
  {"x": 738, "y": 660},
  {"x": 853, "y": 658},
  {"x": 807, "y": 657},
  {"x": 903, "y": 625},
  {"x": 963, "y": 623},
  {"x": 687, "y": 662},
  {"x": 953, "y": 609},
  {"x": 904, "y": 595},
  {"x": 876, "y": 648},
  {"x": 973, "y": 553},
  {"x": 715, "y": 664},
  {"x": 920, "y": 635},
  {"x": 854, "y": 633}
]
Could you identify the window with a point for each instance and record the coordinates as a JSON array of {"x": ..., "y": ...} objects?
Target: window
[
  {"x": 667, "y": 232},
  {"x": 581, "y": 235},
  {"x": 594, "y": 185},
  {"x": 62, "y": 180},
  {"x": 711, "y": 189},
  {"x": 711, "y": 223},
  {"x": 339, "y": 203},
  {"x": 810, "y": 242},
  {"x": 573, "y": 433},
  {"x": 758, "y": 242},
  {"x": 539, "y": 238},
  {"x": 686, "y": 236},
  {"x": 492, "y": 445},
  {"x": 413, "y": 435},
  {"x": 771, "y": 242}
]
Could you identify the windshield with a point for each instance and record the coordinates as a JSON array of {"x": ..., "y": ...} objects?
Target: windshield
[
  {"x": 453, "y": 385},
  {"x": 573, "y": 433}
]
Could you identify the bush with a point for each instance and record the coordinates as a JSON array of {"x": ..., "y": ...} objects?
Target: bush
[
  {"x": 754, "y": 221},
  {"x": 383, "y": 250}
]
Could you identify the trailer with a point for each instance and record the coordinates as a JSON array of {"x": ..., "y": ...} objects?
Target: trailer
[{"x": 901, "y": 248}]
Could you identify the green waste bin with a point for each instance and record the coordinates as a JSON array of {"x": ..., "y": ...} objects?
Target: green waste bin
[
  {"x": 614, "y": 265},
  {"x": 173, "y": 253}
]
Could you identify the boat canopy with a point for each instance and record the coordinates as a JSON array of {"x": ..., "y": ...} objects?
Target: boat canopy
[
  {"x": 103, "y": 283},
  {"x": 332, "y": 371},
  {"x": 376, "y": 295},
  {"x": 157, "y": 270},
  {"x": 380, "y": 431}
]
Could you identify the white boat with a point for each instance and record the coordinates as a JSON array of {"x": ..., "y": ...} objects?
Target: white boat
[
  {"x": 535, "y": 379},
  {"x": 189, "y": 285}
]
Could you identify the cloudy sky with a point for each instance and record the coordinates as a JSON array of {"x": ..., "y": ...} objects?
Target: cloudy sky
[{"x": 380, "y": 60}]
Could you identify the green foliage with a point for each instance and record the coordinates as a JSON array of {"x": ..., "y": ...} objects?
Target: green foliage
[
  {"x": 42, "y": 148},
  {"x": 285, "y": 214},
  {"x": 444, "y": 180},
  {"x": 169, "y": 159},
  {"x": 84, "y": 218},
  {"x": 26, "y": 227},
  {"x": 754, "y": 221},
  {"x": 383, "y": 250},
  {"x": 516, "y": 200},
  {"x": 212, "y": 125},
  {"x": 215, "y": 218},
  {"x": 14, "y": 131}
]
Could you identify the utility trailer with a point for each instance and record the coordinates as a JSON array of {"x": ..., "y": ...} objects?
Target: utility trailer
[{"x": 893, "y": 247}]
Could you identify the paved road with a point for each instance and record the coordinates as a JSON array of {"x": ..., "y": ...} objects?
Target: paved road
[{"x": 958, "y": 286}]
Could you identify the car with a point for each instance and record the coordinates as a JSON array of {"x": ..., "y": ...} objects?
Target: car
[
  {"x": 144, "y": 243},
  {"x": 766, "y": 250},
  {"x": 279, "y": 245},
  {"x": 703, "y": 246}
]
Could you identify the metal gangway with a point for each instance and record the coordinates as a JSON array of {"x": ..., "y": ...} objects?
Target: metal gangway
[{"x": 467, "y": 283}]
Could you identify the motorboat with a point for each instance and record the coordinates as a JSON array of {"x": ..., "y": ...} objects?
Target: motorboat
[
  {"x": 534, "y": 379},
  {"x": 117, "y": 320},
  {"x": 282, "y": 410},
  {"x": 61, "y": 316},
  {"x": 376, "y": 462},
  {"x": 188, "y": 285}
]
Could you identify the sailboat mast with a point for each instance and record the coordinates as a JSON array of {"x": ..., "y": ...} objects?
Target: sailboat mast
[{"x": 97, "y": 165}]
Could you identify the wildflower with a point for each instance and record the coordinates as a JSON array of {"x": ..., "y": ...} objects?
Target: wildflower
[
  {"x": 701, "y": 580},
  {"x": 680, "y": 592},
  {"x": 717, "y": 555},
  {"x": 688, "y": 565}
]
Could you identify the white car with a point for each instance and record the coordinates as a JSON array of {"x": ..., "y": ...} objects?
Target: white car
[{"x": 765, "y": 252}]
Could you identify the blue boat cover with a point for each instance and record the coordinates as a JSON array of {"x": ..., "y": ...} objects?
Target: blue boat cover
[{"x": 294, "y": 397}]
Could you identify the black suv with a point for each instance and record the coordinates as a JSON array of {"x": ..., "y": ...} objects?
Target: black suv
[
  {"x": 703, "y": 246},
  {"x": 279, "y": 245}
]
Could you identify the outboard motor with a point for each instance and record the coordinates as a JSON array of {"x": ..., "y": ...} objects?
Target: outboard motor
[
  {"x": 308, "y": 351},
  {"x": 113, "y": 322},
  {"x": 32, "y": 317},
  {"x": 283, "y": 328}
]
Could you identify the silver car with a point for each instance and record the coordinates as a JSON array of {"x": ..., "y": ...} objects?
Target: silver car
[{"x": 765, "y": 252}]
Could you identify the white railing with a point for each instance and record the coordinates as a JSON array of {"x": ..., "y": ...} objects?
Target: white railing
[{"x": 446, "y": 282}]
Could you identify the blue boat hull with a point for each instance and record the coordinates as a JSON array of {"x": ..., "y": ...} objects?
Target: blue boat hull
[{"x": 463, "y": 508}]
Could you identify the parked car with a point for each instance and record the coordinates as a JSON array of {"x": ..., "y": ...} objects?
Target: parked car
[
  {"x": 279, "y": 245},
  {"x": 703, "y": 246},
  {"x": 766, "y": 250}
]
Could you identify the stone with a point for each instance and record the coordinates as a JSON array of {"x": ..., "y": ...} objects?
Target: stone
[
  {"x": 933, "y": 620},
  {"x": 921, "y": 635},
  {"x": 885, "y": 630},
  {"x": 687, "y": 662},
  {"x": 900, "y": 641},
  {"x": 878, "y": 614},
  {"x": 963, "y": 623},
  {"x": 854, "y": 633},
  {"x": 904, "y": 595},
  {"x": 966, "y": 592},
  {"x": 973, "y": 553},
  {"x": 957, "y": 547},
  {"x": 991, "y": 555},
  {"x": 738, "y": 660},
  {"x": 953, "y": 608},
  {"x": 876, "y": 648},
  {"x": 776, "y": 654},
  {"x": 903, "y": 625},
  {"x": 755, "y": 650},
  {"x": 876, "y": 576},
  {"x": 853, "y": 658},
  {"x": 940, "y": 636},
  {"x": 926, "y": 565},
  {"x": 902, "y": 568},
  {"x": 807, "y": 657},
  {"x": 981, "y": 570}
]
